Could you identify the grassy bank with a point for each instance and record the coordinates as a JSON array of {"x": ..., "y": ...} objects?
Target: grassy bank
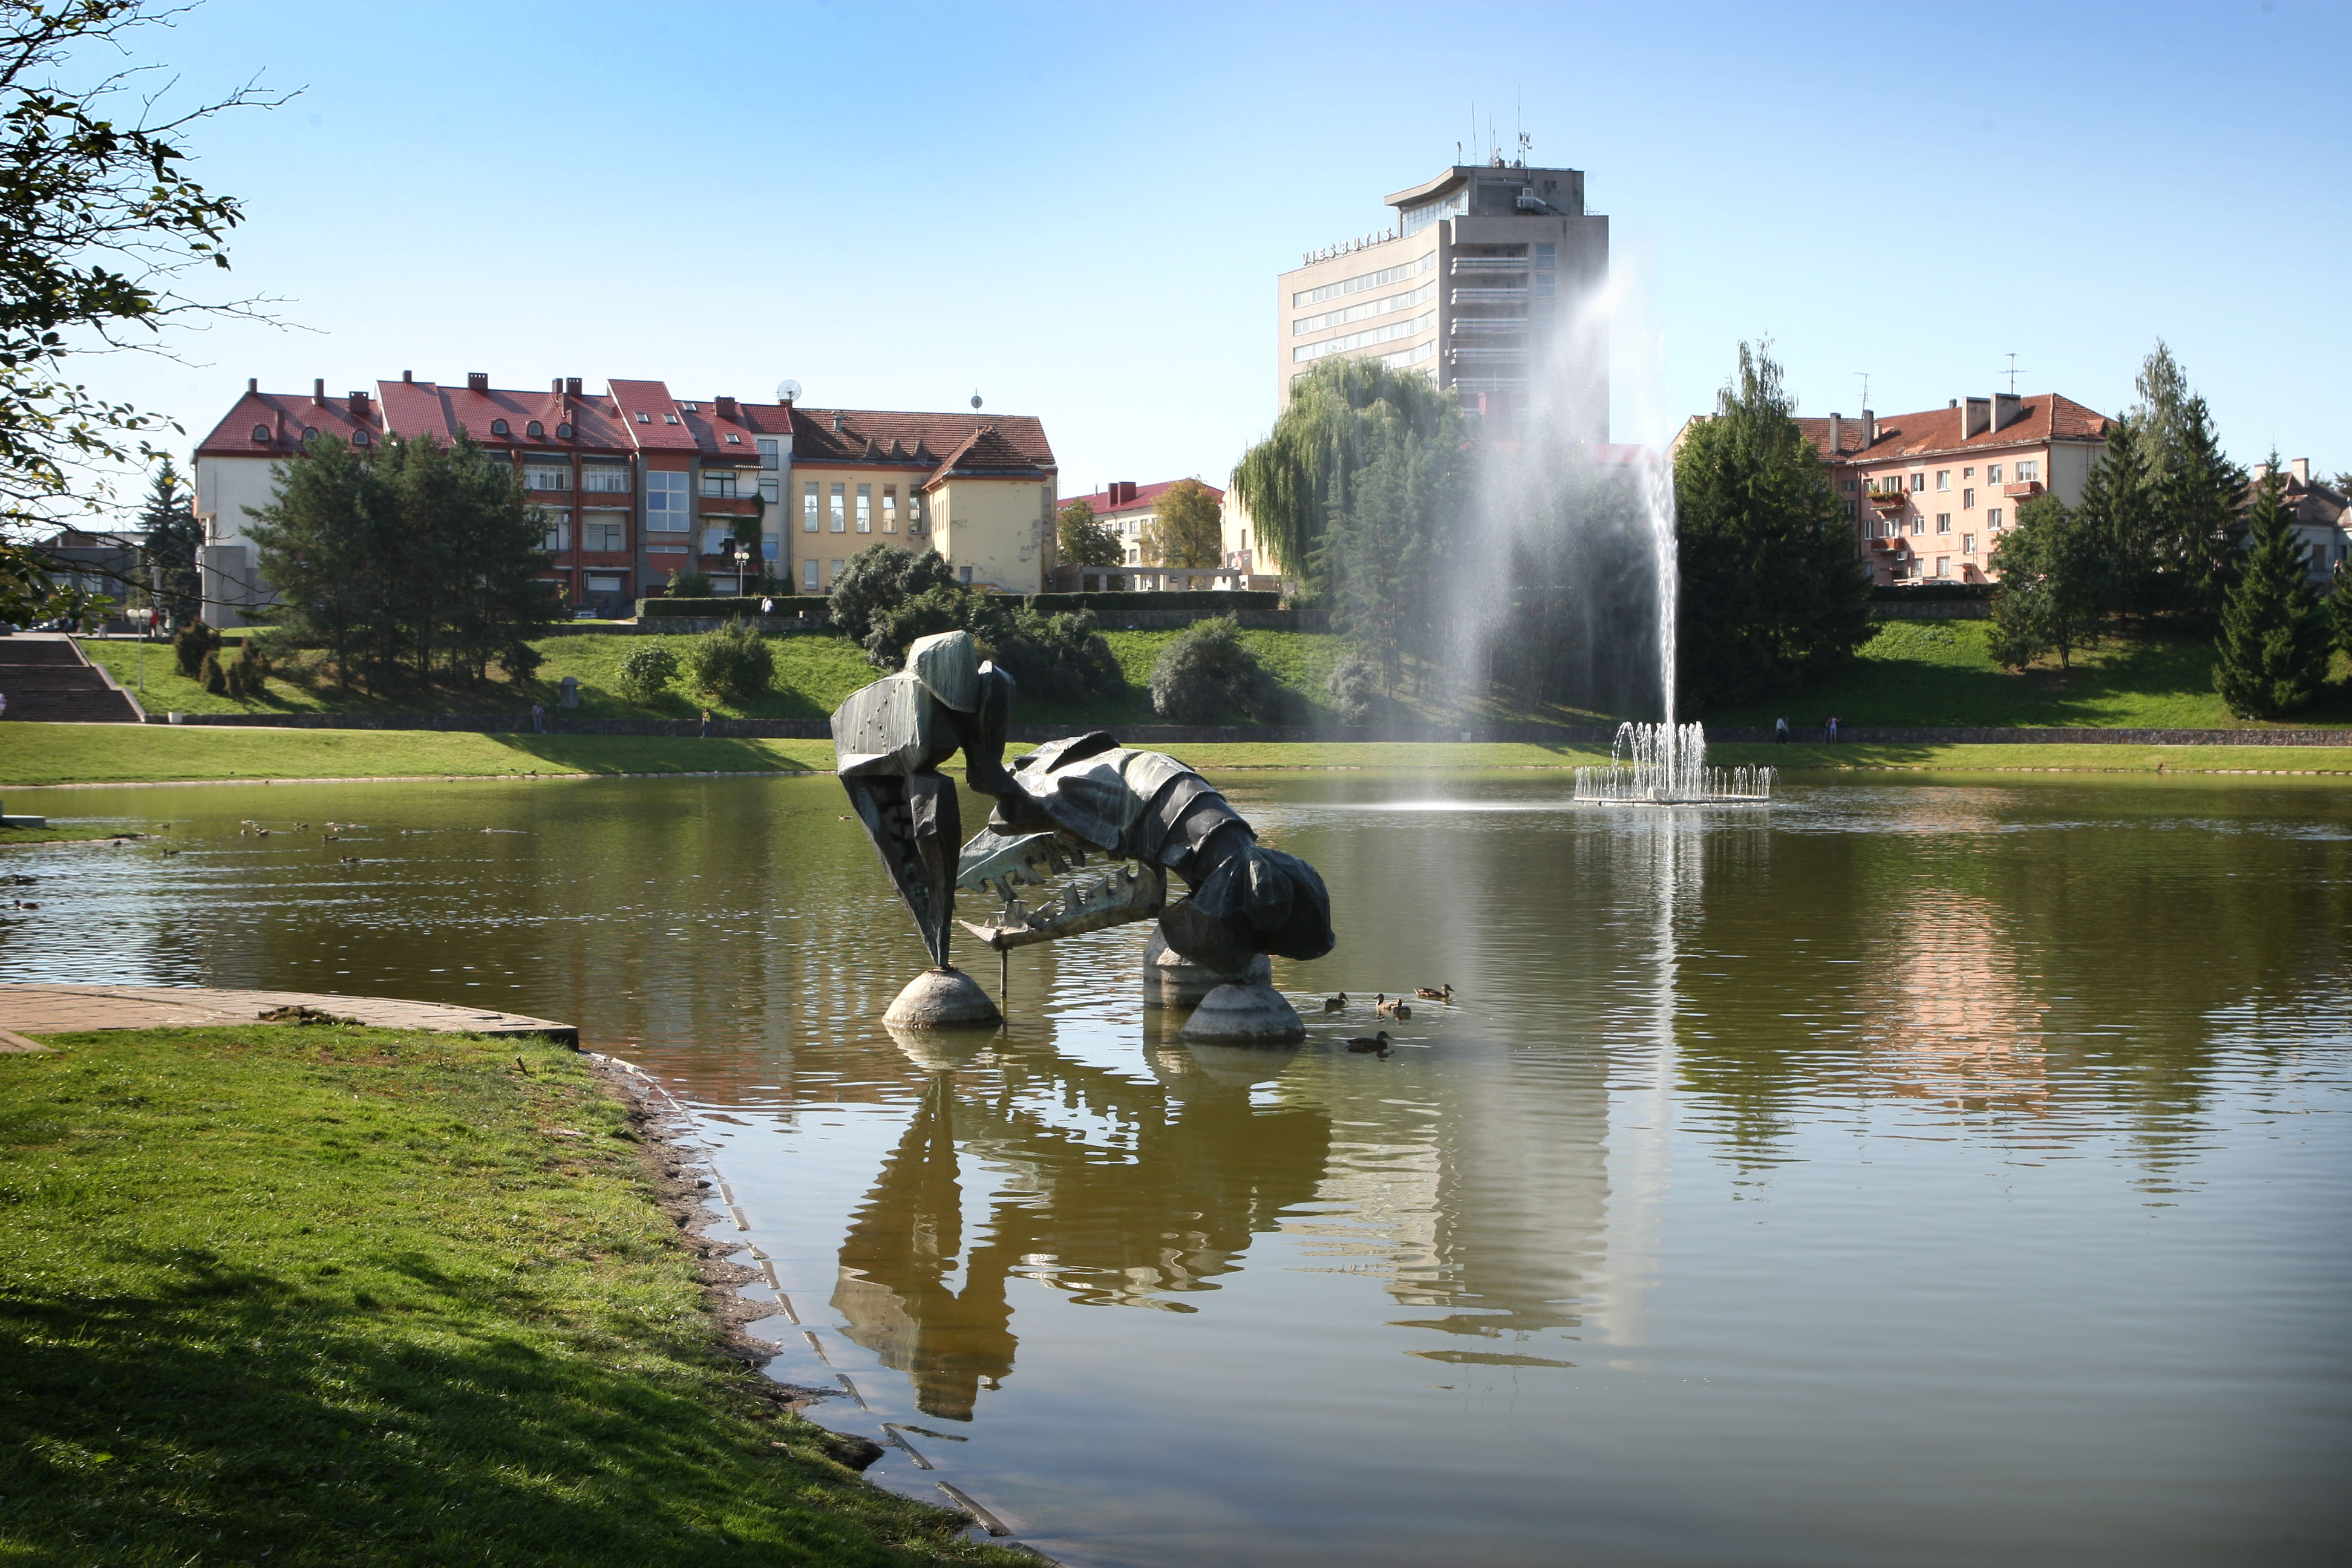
[
  {"x": 325, "y": 1295},
  {"x": 155, "y": 754}
]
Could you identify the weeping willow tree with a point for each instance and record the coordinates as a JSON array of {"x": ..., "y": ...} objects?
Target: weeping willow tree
[{"x": 1344, "y": 414}]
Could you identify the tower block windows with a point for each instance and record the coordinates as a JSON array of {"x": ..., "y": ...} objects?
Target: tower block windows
[{"x": 808, "y": 507}]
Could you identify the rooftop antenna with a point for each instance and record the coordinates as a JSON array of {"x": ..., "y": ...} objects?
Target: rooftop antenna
[
  {"x": 1865, "y": 386},
  {"x": 2012, "y": 376}
]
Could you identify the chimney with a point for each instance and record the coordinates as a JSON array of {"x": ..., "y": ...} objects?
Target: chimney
[
  {"x": 836, "y": 420},
  {"x": 478, "y": 381},
  {"x": 318, "y": 392},
  {"x": 1976, "y": 417},
  {"x": 253, "y": 384},
  {"x": 570, "y": 386},
  {"x": 726, "y": 407},
  {"x": 407, "y": 376},
  {"x": 1837, "y": 434},
  {"x": 555, "y": 387},
  {"x": 1952, "y": 402},
  {"x": 2258, "y": 473},
  {"x": 2005, "y": 407},
  {"x": 359, "y": 405},
  {"x": 1869, "y": 428},
  {"x": 2301, "y": 468}
]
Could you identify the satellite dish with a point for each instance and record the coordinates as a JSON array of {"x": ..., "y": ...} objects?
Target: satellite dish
[
  {"x": 788, "y": 391},
  {"x": 975, "y": 398}
]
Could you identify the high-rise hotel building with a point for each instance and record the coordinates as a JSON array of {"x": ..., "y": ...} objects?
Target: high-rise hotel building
[{"x": 1478, "y": 283}]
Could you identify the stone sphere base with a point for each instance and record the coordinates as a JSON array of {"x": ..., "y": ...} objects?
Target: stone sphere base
[
  {"x": 1235, "y": 1015},
  {"x": 943, "y": 999},
  {"x": 1170, "y": 980}
]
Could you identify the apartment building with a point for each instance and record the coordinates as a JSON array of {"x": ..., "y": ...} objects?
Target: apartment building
[
  {"x": 1129, "y": 509},
  {"x": 1929, "y": 494},
  {"x": 636, "y": 484},
  {"x": 1477, "y": 282}
]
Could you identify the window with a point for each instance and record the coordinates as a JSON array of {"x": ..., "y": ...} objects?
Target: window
[
  {"x": 964, "y": 574},
  {"x": 1992, "y": 517},
  {"x": 1943, "y": 565},
  {"x": 733, "y": 439},
  {"x": 1846, "y": 485},
  {"x": 808, "y": 577},
  {"x": 770, "y": 491},
  {"x": 1992, "y": 473},
  {"x": 498, "y": 427},
  {"x": 1968, "y": 498},
  {"x": 866, "y": 508},
  {"x": 558, "y": 532},
  {"x": 771, "y": 547},
  {"x": 608, "y": 476},
  {"x": 1417, "y": 218},
  {"x": 665, "y": 504},
  {"x": 2029, "y": 469},
  {"x": 889, "y": 508},
  {"x": 1969, "y": 543},
  {"x": 604, "y": 584},
  {"x": 1918, "y": 524},
  {"x": 1381, "y": 279},
  {"x": 672, "y": 419},
  {"x": 1413, "y": 328},
  {"x": 644, "y": 418},
  {"x": 1918, "y": 481},
  {"x": 535, "y": 430},
  {"x": 602, "y": 536},
  {"x": 690, "y": 408},
  {"x": 914, "y": 513},
  {"x": 563, "y": 432},
  {"x": 840, "y": 524},
  {"x": 1547, "y": 284},
  {"x": 1302, "y": 325},
  {"x": 833, "y": 570},
  {"x": 1943, "y": 479},
  {"x": 719, "y": 481},
  {"x": 546, "y": 476},
  {"x": 1547, "y": 257},
  {"x": 808, "y": 507},
  {"x": 1968, "y": 473},
  {"x": 769, "y": 457},
  {"x": 309, "y": 431},
  {"x": 1943, "y": 522},
  {"x": 358, "y": 438},
  {"x": 262, "y": 432}
]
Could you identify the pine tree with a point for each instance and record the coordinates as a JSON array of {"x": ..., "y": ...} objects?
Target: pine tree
[
  {"x": 172, "y": 538},
  {"x": 2118, "y": 511},
  {"x": 2198, "y": 499},
  {"x": 2339, "y": 610},
  {"x": 2273, "y": 641}
]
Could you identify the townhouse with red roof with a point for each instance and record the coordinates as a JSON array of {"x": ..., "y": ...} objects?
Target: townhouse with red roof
[{"x": 636, "y": 484}]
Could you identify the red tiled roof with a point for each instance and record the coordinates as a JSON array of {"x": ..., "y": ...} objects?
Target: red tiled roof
[
  {"x": 879, "y": 436},
  {"x": 285, "y": 415},
  {"x": 1146, "y": 498},
  {"x": 2044, "y": 417}
]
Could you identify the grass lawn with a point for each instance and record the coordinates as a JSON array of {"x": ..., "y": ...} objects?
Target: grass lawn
[
  {"x": 319, "y": 1294},
  {"x": 1938, "y": 674},
  {"x": 124, "y": 753}
]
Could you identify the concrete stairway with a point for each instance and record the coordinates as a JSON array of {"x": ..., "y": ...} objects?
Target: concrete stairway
[{"x": 47, "y": 681}]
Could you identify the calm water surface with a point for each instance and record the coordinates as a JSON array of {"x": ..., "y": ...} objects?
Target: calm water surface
[{"x": 1907, "y": 1174}]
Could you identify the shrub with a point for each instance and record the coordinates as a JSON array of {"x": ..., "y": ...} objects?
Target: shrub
[
  {"x": 1209, "y": 676},
  {"x": 1052, "y": 658},
  {"x": 880, "y": 578},
  {"x": 1355, "y": 687},
  {"x": 686, "y": 583},
  {"x": 731, "y": 664},
  {"x": 190, "y": 644},
  {"x": 211, "y": 676},
  {"x": 646, "y": 671}
]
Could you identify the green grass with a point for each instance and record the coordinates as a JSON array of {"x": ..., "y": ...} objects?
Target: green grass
[
  {"x": 322, "y": 1295},
  {"x": 1938, "y": 674},
  {"x": 56, "y": 833},
  {"x": 126, "y": 754}
]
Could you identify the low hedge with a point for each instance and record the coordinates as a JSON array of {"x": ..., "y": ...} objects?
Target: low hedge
[
  {"x": 1893, "y": 593},
  {"x": 1200, "y": 600},
  {"x": 734, "y": 605}
]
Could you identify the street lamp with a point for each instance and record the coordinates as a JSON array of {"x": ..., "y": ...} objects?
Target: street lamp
[{"x": 742, "y": 568}]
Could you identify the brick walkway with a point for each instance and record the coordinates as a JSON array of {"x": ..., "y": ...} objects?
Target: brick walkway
[{"x": 44, "y": 1009}]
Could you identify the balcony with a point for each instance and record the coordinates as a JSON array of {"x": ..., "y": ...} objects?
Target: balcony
[
  {"x": 1489, "y": 326},
  {"x": 725, "y": 506},
  {"x": 1889, "y": 501},
  {"x": 1486, "y": 355},
  {"x": 2025, "y": 491},
  {"x": 1490, "y": 295},
  {"x": 1467, "y": 266}
]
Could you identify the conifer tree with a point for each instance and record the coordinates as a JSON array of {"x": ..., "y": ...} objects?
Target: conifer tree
[
  {"x": 2275, "y": 639},
  {"x": 173, "y": 536},
  {"x": 2339, "y": 610},
  {"x": 2198, "y": 498},
  {"x": 2118, "y": 512}
]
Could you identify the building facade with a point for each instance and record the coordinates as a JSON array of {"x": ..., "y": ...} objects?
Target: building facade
[
  {"x": 636, "y": 484},
  {"x": 1481, "y": 281},
  {"x": 1129, "y": 509},
  {"x": 2321, "y": 518},
  {"x": 1929, "y": 494}
]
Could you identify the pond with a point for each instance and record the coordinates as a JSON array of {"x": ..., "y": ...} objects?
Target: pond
[{"x": 1903, "y": 1173}]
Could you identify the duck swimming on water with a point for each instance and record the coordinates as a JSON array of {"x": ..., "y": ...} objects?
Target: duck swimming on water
[
  {"x": 1334, "y": 1003},
  {"x": 1369, "y": 1043},
  {"x": 1426, "y": 995}
]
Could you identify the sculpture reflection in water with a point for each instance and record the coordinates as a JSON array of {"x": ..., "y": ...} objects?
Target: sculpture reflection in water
[
  {"x": 1201, "y": 1172},
  {"x": 1068, "y": 799}
]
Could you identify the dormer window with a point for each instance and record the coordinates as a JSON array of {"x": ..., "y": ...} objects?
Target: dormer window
[
  {"x": 358, "y": 438},
  {"x": 644, "y": 418},
  {"x": 672, "y": 419},
  {"x": 733, "y": 439},
  {"x": 535, "y": 430},
  {"x": 262, "y": 432},
  {"x": 498, "y": 428},
  {"x": 563, "y": 432},
  {"x": 309, "y": 431},
  {"x": 691, "y": 408}
]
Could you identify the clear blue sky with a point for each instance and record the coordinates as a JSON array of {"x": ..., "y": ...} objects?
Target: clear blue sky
[{"x": 1080, "y": 211}]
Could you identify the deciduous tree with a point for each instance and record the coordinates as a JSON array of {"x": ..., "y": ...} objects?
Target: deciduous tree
[
  {"x": 1771, "y": 592},
  {"x": 2055, "y": 584},
  {"x": 1186, "y": 528},
  {"x": 1080, "y": 540}
]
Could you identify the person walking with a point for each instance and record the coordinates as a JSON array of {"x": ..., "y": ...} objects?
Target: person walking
[
  {"x": 1780, "y": 731},
  {"x": 1833, "y": 728},
  {"x": 706, "y": 723},
  {"x": 538, "y": 719}
]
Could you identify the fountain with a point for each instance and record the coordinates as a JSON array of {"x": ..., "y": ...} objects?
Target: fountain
[{"x": 1665, "y": 765}]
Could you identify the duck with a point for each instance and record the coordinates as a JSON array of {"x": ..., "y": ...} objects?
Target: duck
[
  {"x": 1396, "y": 1009},
  {"x": 1444, "y": 993},
  {"x": 1378, "y": 1042},
  {"x": 1334, "y": 1003}
]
